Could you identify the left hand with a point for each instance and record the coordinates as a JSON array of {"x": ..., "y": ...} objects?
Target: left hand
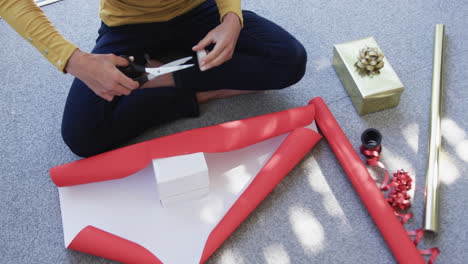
[{"x": 224, "y": 37}]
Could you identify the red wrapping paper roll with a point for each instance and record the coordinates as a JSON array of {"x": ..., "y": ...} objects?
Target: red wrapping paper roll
[{"x": 389, "y": 225}]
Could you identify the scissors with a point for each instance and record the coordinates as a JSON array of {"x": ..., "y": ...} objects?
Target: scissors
[{"x": 141, "y": 74}]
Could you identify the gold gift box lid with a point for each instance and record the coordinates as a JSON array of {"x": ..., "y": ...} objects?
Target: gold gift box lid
[{"x": 368, "y": 93}]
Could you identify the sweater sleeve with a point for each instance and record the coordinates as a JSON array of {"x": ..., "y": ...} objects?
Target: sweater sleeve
[
  {"x": 31, "y": 23},
  {"x": 226, "y": 6}
]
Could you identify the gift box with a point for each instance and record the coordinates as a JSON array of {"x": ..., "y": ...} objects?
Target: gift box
[
  {"x": 369, "y": 93},
  {"x": 181, "y": 178}
]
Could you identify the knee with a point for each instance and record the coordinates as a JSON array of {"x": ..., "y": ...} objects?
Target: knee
[
  {"x": 80, "y": 144},
  {"x": 296, "y": 64},
  {"x": 79, "y": 132},
  {"x": 291, "y": 60}
]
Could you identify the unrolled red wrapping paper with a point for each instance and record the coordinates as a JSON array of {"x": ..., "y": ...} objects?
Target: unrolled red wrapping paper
[
  {"x": 392, "y": 230},
  {"x": 219, "y": 138}
]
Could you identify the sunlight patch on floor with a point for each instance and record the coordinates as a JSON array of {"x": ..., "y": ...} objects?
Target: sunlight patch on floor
[
  {"x": 411, "y": 135},
  {"x": 319, "y": 184},
  {"x": 322, "y": 63},
  {"x": 456, "y": 137},
  {"x": 448, "y": 171},
  {"x": 393, "y": 161},
  {"x": 462, "y": 150},
  {"x": 276, "y": 254},
  {"x": 230, "y": 256},
  {"x": 308, "y": 230},
  {"x": 452, "y": 132}
]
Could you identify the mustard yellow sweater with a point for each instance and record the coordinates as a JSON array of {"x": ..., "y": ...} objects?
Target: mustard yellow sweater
[{"x": 31, "y": 23}]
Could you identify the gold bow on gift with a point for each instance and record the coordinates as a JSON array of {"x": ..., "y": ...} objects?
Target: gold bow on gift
[{"x": 370, "y": 60}]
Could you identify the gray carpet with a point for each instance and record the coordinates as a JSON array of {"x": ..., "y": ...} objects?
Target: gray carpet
[{"x": 314, "y": 215}]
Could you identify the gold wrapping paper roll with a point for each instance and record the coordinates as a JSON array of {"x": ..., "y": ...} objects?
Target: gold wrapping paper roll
[{"x": 432, "y": 192}]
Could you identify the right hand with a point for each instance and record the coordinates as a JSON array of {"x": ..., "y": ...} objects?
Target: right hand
[{"x": 99, "y": 73}]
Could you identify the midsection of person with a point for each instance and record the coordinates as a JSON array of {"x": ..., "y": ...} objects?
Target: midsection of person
[
  {"x": 123, "y": 12},
  {"x": 116, "y": 13}
]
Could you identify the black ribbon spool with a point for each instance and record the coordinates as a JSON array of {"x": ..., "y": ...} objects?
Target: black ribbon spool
[{"x": 371, "y": 138}]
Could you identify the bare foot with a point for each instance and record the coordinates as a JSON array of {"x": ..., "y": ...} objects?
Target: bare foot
[
  {"x": 165, "y": 80},
  {"x": 203, "y": 97}
]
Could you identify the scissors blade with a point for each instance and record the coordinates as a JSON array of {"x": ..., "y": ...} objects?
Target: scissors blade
[
  {"x": 154, "y": 72},
  {"x": 177, "y": 62}
]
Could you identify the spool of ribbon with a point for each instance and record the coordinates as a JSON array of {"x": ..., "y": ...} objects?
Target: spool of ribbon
[{"x": 399, "y": 185}]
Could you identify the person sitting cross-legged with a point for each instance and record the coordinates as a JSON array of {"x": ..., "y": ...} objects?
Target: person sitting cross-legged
[{"x": 104, "y": 108}]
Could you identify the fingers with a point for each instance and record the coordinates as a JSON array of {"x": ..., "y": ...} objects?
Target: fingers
[
  {"x": 117, "y": 60},
  {"x": 204, "y": 42},
  {"x": 121, "y": 90},
  {"x": 120, "y": 77},
  {"x": 107, "y": 97},
  {"x": 99, "y": 73},
  {"x": 126, "y": 82},
  {"x": 121, "y": 85},
  {"x": 216, "y": 57},
  {"x": 225, "y": 42},
  {"x": 117, "y": 85},
  {"x": 111, "y": 92},
  {"x": 217, "y": 50}
]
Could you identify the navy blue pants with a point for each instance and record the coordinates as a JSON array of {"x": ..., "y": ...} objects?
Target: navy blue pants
[{"x": 266, "y": 57}]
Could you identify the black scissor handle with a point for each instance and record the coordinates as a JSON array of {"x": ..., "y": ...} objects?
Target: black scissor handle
[{"x": 134, "y": 71}]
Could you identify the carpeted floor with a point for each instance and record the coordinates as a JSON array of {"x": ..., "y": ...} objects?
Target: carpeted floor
[{"x": 314, "y": 215}]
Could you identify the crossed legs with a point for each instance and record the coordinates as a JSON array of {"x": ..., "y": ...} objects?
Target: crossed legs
[{"x": 266, "y": 57}]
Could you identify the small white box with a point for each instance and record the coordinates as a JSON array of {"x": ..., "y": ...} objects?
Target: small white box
[
  {"x": 200, "y": 55},
  {"x": 181, "y": 178}
]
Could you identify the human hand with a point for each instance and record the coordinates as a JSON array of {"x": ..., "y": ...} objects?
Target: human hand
[
  {"x": 99, "y": 73},
  {"x": 224, "y": 37}
]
